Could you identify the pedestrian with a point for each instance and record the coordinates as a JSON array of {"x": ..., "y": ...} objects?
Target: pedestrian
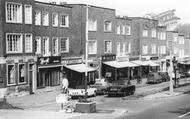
[{"x": 64, "y": 83}]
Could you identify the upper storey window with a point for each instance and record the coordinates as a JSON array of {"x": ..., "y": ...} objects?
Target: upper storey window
[{"x": 13, "y": 12}]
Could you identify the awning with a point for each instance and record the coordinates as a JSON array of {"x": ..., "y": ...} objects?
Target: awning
[
  {"x": 80, "y": 68},
  {"x": 117, "y": 64},
  {"x": 151, "y": 63},
  {"x": 139, "y": 62}
]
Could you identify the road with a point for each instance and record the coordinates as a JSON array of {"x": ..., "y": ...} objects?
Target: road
[{"x": 173, "y": 108}]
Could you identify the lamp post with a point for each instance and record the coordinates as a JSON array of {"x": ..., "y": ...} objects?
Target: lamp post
[
  {"x": 170, "y": 70},
  {"x": 86, "y": 53}
]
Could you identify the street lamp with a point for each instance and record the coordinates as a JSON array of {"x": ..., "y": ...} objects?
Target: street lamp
[{"x": 86, "y": 53}]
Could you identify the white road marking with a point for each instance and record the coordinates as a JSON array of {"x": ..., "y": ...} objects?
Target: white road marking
[{"x": 183, "y": 115}]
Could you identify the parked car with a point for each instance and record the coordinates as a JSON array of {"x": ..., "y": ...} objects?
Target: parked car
[
  {"x": 80, "y": 91},
  {"x": 154, "y": 77},
  {"x": 101, "y": 88},
  {"x": 164, "y": 76},
  {"x": 121, "y": 88}
]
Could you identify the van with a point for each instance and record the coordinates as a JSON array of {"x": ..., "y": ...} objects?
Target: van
[{"x": 154, "y": 77}]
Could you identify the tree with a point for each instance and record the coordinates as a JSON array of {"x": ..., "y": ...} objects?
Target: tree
[{"x": 183, "y": 29}]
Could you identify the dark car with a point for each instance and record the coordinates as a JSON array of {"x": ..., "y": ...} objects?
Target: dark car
[
  {"x": 121, "y": 89},
  {"x": 164, "y": 76}
]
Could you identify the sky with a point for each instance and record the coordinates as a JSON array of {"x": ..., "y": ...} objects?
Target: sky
[{"x": 138, "y": 8}]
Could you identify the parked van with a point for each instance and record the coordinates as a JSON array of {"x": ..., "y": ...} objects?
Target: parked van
[{"x": 154, "y": 77}]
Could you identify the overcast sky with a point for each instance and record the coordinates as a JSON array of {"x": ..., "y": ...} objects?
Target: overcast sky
[{"x": 139, "y": 8}]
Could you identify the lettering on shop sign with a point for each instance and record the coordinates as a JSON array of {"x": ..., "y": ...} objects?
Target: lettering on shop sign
[
  {"x": 110, "y": 57},
  {"x": 72, "y": 61},
  {"x": 154, "y": 58},
  {"x": 49, "y": 60}
]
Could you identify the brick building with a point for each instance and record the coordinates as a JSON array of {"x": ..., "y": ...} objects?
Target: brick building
[
  {"x": 16, "y": 49},
  {"x": 53, "y": 41}
]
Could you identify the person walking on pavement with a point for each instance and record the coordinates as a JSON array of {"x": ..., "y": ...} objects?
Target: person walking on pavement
[{"x": 64, "y": 83}]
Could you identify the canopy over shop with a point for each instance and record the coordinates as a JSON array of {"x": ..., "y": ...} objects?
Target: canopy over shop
[
  {"x": 76, "y": 74},
  {"x": 115, "y": 70}
]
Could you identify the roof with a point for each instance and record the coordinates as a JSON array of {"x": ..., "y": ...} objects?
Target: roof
[
  {"x": 93, "y": 6},
  {"x": 45, "y": 3},
  {"x": 81, "y": 68},
  {"x": 123, "y": 64}
]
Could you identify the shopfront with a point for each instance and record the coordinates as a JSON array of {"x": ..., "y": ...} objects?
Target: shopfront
[
  {"x": 120, "y": 69},
  {"x": 21, "y": 74},
  {"x": 49, "y": 70},
  {"x": 75, "y": 70}
]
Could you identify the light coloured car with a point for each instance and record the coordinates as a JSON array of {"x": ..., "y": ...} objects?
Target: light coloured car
[{"x": 79, "y": 91}]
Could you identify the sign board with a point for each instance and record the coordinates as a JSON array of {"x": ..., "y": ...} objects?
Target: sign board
[
  {"x": 49, "y": 60},
  {"x": 108, "y": 57},
  {"x": 62, "y": 98},
  {"x": 70, "y": 61}
]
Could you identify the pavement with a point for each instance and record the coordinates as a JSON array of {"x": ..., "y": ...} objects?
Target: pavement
[{"x": 44, "y": 103}]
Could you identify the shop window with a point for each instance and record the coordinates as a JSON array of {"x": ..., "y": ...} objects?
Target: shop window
[
  {"x": 21, "y": 73},
  {"x": 11, "y": 75}
]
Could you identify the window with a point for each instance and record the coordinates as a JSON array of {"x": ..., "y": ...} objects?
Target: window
[
  {"x": 45, "y": 46},
  {"x": 129, "y": 48},
  {"x": 107, "y": 26},
  {"x": 124, "y": 49},
  {"x": 45, "y": 18},
  {"x": 92, "y": 47},
  {"x": 55, "y": 19},
  {"x": 11, "y": 79},
  {"x": 118, "y": 49},
  {"x": 145, "y": 49},
  {"x": 64, "y": 44},
  {"x": 175, "y": 38},
  {"x": 175, "y": 51},
  {"x": 128, "y": 30},
  {"x": 64, "y": 20},
  {"x": 21, "y": 73},
  {"x": 145, "y": 33},
  {"x": 28, "y": 14},
  {"x": 181, "y": 40},
  {"x": 153, "y": 47},
  {"x": 108, "y": 47},
  {"x": 37, "y": 18},
  {"x": 118, "y": 29},
  {"x": 153, "y": 33},
  {"x": 14, "y": 43},
  {"x": 123, "y": 30},
  {"x": 13, "y": 12},
  {"x": 38, "y": 45},
  {"x": 163, "y": 36},
  {"x": 55, "y": 47},
  {"x": 162, "y": 49},
  {"x": 92, "y": 25},
  {"x": 28, "y": 43}
]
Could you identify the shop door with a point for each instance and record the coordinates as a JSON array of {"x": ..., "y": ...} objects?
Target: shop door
[{"x": 31, "y": 78}]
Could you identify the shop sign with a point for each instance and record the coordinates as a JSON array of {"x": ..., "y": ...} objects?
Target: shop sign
[
  {"x": 122, "y": 59},
  {"x": 108, "y": 57},
  {"x": 72, "y": 61},
  {"x": 49, "y": 60},
  {"x": 133, "y": 58},
  {"x": 154, "y": 58}
]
